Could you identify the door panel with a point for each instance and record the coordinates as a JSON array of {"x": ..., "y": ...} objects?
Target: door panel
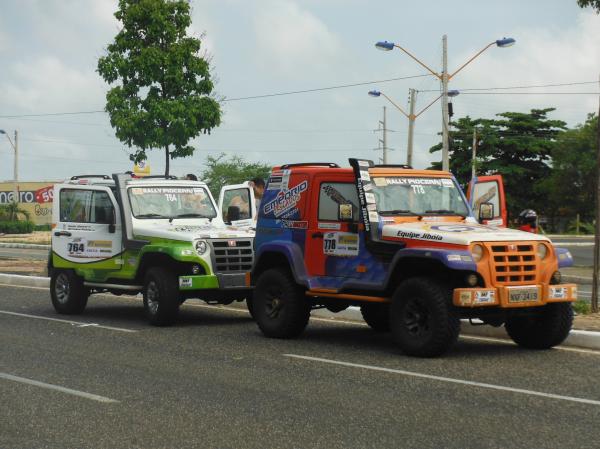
[
  {"x": 488, "y": 189},
  {"x": 85, "y": 218},
  {"x": 332, "y": 245}
]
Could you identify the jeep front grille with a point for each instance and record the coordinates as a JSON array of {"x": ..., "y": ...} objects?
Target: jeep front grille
[
  {"x": 228, "y": 257},
  {"x": 513, "y": 263}
]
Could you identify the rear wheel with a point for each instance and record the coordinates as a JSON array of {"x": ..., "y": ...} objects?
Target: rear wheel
[
  {"x": 281, "y": 309},
  {"x": 161, "y": 296},
  {"x": 422, "y": 320},
  {"x": 69, "y": 296},
  {"x": 548, "y": 328},
  {"x": 377, "y": 316}
]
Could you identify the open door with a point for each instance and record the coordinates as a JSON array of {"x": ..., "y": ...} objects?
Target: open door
[
  {"x": 237, "y": 204},
  {"x": 486, "y": 196}
]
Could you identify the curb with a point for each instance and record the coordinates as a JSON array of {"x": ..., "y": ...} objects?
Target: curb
[
  {"x": 24, "y": 246},
  {"x": 20, "y": 280},
  {"x": 576, "y": 338}
]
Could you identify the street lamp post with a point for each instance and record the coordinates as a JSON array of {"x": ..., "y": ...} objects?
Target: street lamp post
[
  {"x": 411, "y": 116},
  {"x": 444, "y": 78},
  {"x": 15, "y": 147}
]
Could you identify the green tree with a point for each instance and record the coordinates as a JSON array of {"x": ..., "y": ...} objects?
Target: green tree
[
  {"x": 594, "y": 4},
  {"x": 162, "y": 94},
  {"x": 221, "y": 171},
  {"x": 11, "y": 212},
  {"x": 571, "y": 185},
  {"x": 516, "y": 145}
]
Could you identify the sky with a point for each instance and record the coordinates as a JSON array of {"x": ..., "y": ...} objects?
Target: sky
[{"x": 49, "y": 51}]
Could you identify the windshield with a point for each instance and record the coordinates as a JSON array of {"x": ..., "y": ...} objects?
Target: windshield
[
  {"x": 418, "y": 196},
  {"x": 171, "y": 202}
]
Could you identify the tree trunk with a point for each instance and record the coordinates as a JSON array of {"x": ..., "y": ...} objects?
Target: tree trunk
[{"x": 166, "y": 161}]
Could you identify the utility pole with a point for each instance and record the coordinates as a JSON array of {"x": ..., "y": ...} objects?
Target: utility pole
[
  {"x": 596, "y": 276},
  {"x": 445, "y": 146},
  {"x": 473, "y": 163},
  {"x": 15, "y": 147},
  {"x": 411, "y": 126},
  {"x": 384, "y": 140}
]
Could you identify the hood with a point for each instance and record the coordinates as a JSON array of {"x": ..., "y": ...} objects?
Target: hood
[
  {"x": 186, "y": 231},
  {"x": 455, "y": 233}
]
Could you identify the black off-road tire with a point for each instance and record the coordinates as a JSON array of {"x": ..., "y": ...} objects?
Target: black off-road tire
[
  {"x": 548, "y": 328},
  {"x": 161, "y": 296},
  {"x": 281, "y": 309},
  {"x": 422, "y": 318},
  {"x": 377, "y": 316},
  {"x": 250, "y": 303},
  {"x": 68, "y": 294}
]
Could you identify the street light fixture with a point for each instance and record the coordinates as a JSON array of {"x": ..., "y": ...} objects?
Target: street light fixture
[
  {"x": 411, "y": 116},
  {"x": 444, "y": 77}
]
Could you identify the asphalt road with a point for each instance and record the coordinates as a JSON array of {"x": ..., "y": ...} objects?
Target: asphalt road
[
  {"x": 214, "y": 381},
  {"x": 21, "y": 253},
  {"x": 582, "y": 249}
]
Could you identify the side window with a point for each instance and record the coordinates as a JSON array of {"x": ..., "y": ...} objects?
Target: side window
[
  {"x": 75, "y": 205},
  {"x": 332, "y": 194},
  {"x": 239, "y": 198},
  {"x": 486, "y": 192},
  {"x": 85, "y": 206},
  {"x": 102, "y": 208}
]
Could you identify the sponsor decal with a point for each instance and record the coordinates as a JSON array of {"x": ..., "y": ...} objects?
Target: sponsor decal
[
  {"x": 344, "y": 244},
  {"x": 419, "y": 235},
  {"x": 294, "y": 224},
  {"x": 285, "y": 200},
  {"x": 457, "y": 228},
  {"x": 420, "y": 181},
  {"x": 80, "y": 247}
]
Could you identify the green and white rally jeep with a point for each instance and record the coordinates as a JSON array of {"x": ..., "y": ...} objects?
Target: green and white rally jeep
[{"x": 159, "y": 236}]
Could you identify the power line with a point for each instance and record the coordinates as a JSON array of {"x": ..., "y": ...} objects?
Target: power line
[
  {"x": 531, "y": 86},
  {"x": 319, "y": 89}
]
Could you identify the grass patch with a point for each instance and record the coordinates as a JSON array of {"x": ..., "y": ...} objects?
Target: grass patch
[{"x": 582, "y": 307}]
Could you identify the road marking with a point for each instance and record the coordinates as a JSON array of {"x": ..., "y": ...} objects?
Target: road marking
[
  {"x": 512, "y": 343},
  {"x": 82, "y": 394},
  {"x": 75, "y": 323},
  {"x": 448, "y": 379}
]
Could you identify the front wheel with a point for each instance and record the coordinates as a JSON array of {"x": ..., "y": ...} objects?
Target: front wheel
[
  {"x": 422, "y": 320},
  {"x": 549, "y": 327},
  {"x": 68, "y": 294},
  {"x": 280, "y": 307},
  {"x": 161, "y": 296}
]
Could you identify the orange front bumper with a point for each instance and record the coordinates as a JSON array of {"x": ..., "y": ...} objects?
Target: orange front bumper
[{"x": 514, "y": 296}]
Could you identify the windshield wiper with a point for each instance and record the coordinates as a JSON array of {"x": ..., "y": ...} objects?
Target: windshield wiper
[
  {"x": 150, "y": 216},
  {"x": 193, "y": 215},
  {"x": 397, "y": 212},
  {"x": 444, "y": 212}
]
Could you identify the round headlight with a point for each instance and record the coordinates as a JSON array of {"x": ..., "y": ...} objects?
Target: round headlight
[
  {"x": 201, "y": 247},
  {"x": 542, "y": 251},
  {"x": 477, "y": 252}
]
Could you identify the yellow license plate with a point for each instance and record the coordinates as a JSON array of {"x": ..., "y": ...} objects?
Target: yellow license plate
[{"x": 529, "y": 294}]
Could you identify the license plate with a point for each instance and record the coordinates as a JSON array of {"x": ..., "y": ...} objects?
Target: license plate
[{"x": 523, "y": 294}]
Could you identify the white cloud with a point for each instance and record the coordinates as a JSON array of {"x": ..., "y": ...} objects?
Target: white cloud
[
  {"x": 47, "y": 84},
  {"x": 291, "y": 40}
]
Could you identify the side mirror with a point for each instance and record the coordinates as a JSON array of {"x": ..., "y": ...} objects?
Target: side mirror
[
  {"x": 486, "y": 211},
  {"x": 345, "y": 212},
  {"x": 233, "y": 213}
]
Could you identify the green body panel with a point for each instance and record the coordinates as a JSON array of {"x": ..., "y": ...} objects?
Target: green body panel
[{"x": 125, "y": 265}]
